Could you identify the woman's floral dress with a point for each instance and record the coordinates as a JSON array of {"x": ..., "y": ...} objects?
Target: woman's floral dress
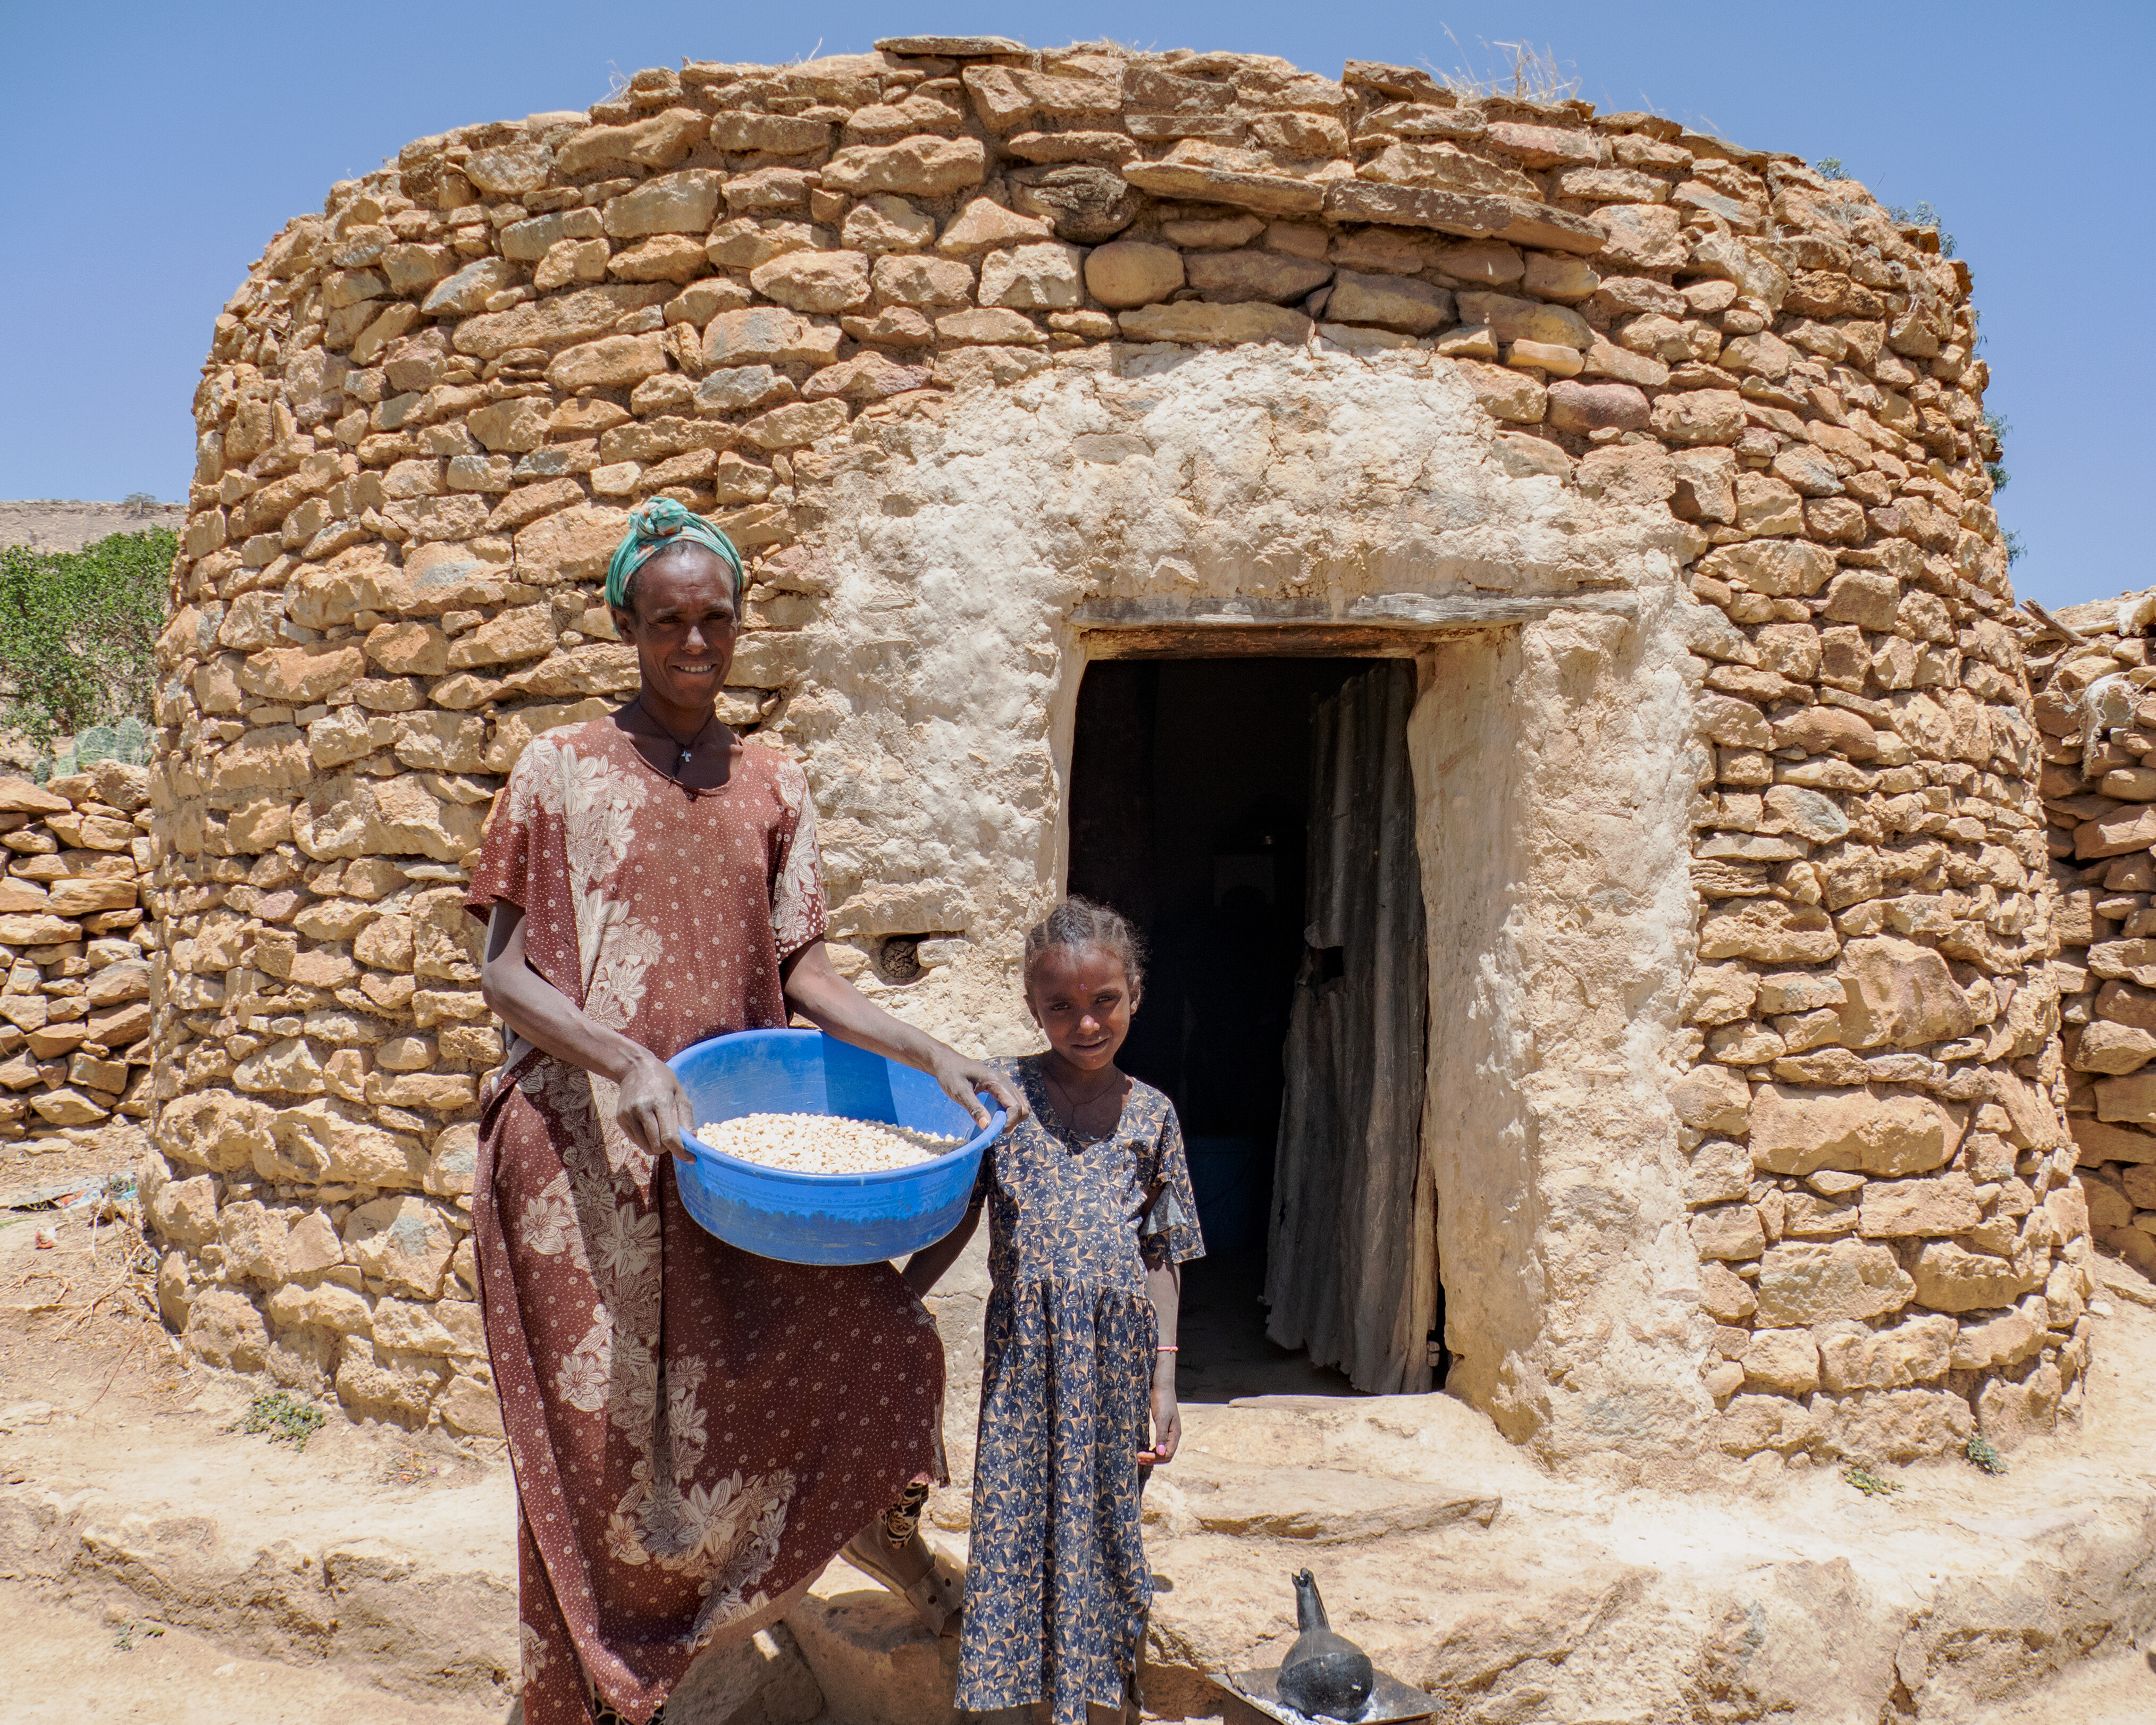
[
  {"x": 1056, "y": 1586},
  {"x": 693, "y": 1429}
]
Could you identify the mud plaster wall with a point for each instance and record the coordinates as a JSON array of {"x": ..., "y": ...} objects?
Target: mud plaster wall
[
  {"x": 1555, "y": 777},
  {"x": 1188, "y": 478},
  {"x": 937, "y": 732},
  {"x": 969, "y": 344}
]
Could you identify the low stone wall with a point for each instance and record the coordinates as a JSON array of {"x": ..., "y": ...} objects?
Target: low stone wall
[
  {"x": 51, "y": 524},
  {"x": 75, "y": 1012},
  {"x": 2098, "y": 712}
]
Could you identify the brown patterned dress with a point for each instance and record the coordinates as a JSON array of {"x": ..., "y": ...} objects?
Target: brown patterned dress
[{"x": 687, "y": 1422}]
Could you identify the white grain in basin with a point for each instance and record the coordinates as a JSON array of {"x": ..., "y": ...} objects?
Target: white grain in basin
[{"x": 823, "y": 1143}]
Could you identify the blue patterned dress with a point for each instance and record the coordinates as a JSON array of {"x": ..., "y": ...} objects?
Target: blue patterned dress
[{"x": 1056, "y": 1586}]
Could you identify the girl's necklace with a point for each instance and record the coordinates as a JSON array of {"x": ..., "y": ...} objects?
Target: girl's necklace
[
  {"x": 1069, "y": 1106},
  {"x": 685, "y": 749}
]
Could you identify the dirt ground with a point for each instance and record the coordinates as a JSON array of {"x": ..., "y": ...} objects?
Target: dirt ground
[
  {"x": 145, "y": 1590},
  {"x": 77, "y": 1283},
  {"x": 94, "y": 1392},
  {"x": 2105, "y": 1691},
  {"x": 81, "y": 1153},
  {"x": 69, "y": 1667}
]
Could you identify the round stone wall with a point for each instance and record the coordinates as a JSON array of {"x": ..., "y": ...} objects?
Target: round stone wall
[{"x": 426, "y": 409}]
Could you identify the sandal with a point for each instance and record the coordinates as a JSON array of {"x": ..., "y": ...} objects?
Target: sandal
[{"x": 936, "y": 1597}]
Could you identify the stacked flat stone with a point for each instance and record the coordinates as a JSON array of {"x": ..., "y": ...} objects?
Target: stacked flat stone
[
  {"x": 427, "y": 410},
  {"x": 75, "y": 1012},
  {"x": 1885, "y": 1205},
  {"x": 2097, "y": 714}
]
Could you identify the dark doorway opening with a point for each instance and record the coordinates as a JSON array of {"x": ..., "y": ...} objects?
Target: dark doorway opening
[{"x": 1191, "y": 782}]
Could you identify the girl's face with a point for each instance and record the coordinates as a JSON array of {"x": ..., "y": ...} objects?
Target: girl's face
[{"x": 1083, "y": 1001}]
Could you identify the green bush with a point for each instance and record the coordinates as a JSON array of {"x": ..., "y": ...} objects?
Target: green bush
[{"x": 77, "y": 638}]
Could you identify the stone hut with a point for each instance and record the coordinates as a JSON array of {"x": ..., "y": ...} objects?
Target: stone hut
[{"x": 1508, "y": 595}]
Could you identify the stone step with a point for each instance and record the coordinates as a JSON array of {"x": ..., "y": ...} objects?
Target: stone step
[
  {"x": 390, "y": 1560},
  {"x": 1320, "y": 1506},
  {"x": 301, "y": 1557},
  {"x": 763, "y": 1680},
  {"x": 319, "y": 1558},
  {"x": 875, "y": 1661}
]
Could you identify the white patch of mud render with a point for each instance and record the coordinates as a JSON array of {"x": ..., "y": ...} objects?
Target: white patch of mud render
[
  {"x": 1554, "y": 764},
  {"x": 963, "y": 541}
]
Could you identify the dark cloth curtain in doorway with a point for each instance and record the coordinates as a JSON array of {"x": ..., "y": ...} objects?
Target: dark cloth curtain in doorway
[{"x": 1351, "y": 1273}]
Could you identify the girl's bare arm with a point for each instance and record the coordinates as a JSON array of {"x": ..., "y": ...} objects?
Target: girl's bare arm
[{"x": 1164, "y": 1288}]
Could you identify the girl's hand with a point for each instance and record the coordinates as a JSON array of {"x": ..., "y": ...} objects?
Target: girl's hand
[
  {"x": 1166, "y": 1417},
  {"x": 962, "y": 1080},
  {"x": 654, "y": 1109}
]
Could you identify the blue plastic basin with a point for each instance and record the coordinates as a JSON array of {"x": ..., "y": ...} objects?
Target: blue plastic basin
[{"x": 823, "y": 1218}]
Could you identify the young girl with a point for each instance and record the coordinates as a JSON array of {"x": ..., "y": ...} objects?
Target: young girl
[{"x": 1090, "y": 1214}]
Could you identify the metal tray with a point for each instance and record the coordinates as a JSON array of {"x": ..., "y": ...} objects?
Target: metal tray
[{"x": 1391, "y": 1700}]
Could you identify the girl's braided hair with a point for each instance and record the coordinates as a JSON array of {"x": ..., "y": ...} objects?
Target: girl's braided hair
[{"x": 1076, "y": 923}]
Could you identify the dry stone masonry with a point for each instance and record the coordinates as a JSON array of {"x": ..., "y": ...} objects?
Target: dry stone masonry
[
  {"x": 2100, "y": 805},
  {"x": 1137, "y": 331},
  {"x": 75, "y": 1048}
]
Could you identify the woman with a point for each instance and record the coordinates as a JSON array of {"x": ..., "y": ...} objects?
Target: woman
[{"x": 695, "y": 1430}]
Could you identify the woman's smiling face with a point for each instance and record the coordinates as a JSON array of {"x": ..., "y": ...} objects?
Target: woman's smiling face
[{"x": 683, "y": 625}]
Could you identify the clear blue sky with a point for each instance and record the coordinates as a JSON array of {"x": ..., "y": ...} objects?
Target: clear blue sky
[{"x": 150, "y": 151}]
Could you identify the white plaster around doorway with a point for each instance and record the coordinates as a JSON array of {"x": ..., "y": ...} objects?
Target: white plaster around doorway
[{"x": 960, "y": 536}]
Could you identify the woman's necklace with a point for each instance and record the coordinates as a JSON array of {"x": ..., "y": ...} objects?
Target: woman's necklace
[{"x": 685, "y": 749}]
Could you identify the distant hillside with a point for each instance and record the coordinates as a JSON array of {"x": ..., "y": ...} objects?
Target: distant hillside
[{"x": 54, "y": 524}]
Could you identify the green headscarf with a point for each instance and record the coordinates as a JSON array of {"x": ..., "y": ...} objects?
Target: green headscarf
[{"x": 656, "y": 525}]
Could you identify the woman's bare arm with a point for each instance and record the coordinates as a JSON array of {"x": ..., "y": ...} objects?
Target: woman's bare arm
[
  {"x": 815, "y": 990},
  {"x": 653, "y": 1109}
]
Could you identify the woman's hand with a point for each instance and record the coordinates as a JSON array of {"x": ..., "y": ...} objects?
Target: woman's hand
[
  {"x": 651, "y": 1108},
  {"x": 654, "y": 1109},
  {"x": 1166, "y": 1417},
  {"x": 962, "y": 1078},
  {"x": 815, "y": 990}
]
